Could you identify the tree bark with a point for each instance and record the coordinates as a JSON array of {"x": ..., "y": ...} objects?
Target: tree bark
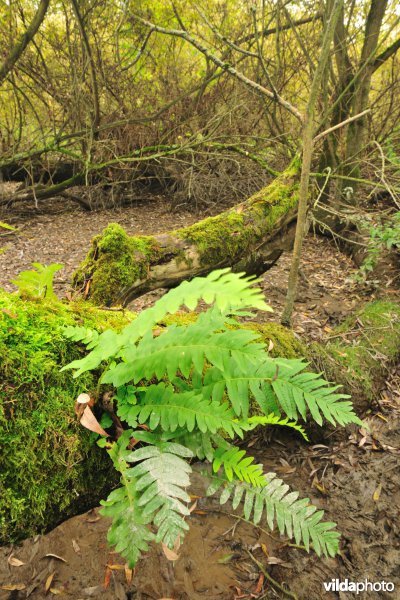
[{"x": 248, "y": 237}]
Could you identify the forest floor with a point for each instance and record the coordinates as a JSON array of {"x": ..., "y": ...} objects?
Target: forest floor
[{"x": 353, "y": 475}]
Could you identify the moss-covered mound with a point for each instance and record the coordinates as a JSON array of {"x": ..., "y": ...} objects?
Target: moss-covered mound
[
  {"x": 361, "y": 349},
  {"x": 49, "y": 469}
]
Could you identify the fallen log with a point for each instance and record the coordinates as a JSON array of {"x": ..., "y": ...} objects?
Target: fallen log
[{"x": 249, "y": 237}]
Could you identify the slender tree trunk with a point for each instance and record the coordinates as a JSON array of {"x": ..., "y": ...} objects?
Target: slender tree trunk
[{"x": 308, "y": 134}]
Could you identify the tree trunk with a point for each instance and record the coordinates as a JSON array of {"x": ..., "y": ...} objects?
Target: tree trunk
[{"x": 249, "y": 237}]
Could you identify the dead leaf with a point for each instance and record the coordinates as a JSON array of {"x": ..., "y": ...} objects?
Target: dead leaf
[
  {"x": 76, "y": 547},
  {"x": 377, "y": 493},
  {"x": 49, "y": 581},
  {"x": 116, "y": 567},
  {"x": 14, "y": 562},
  {"x": 107, "y": 577},
  {"x": 128, "y": 574},
  {"x": 89, "y": 421},
  {"x": 83, "y": 399},
  {"x": 265, "y": 550},
  {"x": 9, "y": 313},
  {"x": 57, "y": 591},
  {"x": 50, "y": 555},
  {"x": 92, "y": 591},
  {"x": 170, "y": 554},
  {"x": 12, "y": 587},
  {"x": 225, "y": 559},
  {"x": 260, "y": 584},
  {"x": 270, "y": 345}
]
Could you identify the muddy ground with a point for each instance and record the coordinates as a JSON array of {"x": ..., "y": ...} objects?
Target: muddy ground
[{"x": 352, "y": 475}]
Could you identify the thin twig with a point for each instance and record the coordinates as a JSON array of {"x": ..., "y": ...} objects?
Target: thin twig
[{"x": 271, "y": 579}]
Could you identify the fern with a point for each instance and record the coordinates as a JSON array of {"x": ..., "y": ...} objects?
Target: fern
[
  {"x": 38, "y": 283},
  {"x": 188, "y": 392},
  {"x": 297, "y": 519}
]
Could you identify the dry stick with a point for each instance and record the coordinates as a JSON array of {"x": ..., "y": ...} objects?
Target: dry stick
[
  {"x": 339, "y": 125},
  {"x": 271, "y": 579}
]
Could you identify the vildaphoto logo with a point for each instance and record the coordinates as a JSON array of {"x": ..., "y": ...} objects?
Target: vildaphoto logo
[{"x": 335, "y": 585}]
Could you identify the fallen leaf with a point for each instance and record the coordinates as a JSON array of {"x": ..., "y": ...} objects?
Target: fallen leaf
[
  {"x": 57, "y": 591},
  {"x": 49, "y": 581},
  {"x": 14, "y": 562},
  {"x": 265, "y": 550},
  {"x": 9, "y": 313},
  {"x": 12, "y": 587},
  {"x": 76, "y": 547},
  {"x": 83, "y": 399},
  {"x": 260, "y": 584},
  {"x": 50, "y": 555},
  {"x": 92, "y": 591},
  {"x": 107, "y": 577},
  {"x": 128, "y": 574},
  {"x": 170, "y": 554},
  {"x": 377, "y": 493},
  {"x": 270, "y": 345},
  {"x": 225, "y": 559},
  {"x": 116, "y": 567},
  {"x": 89, "y": 421}
]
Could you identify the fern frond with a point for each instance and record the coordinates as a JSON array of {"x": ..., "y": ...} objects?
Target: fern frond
[
  {"x": 272, "y": 419},
  {"x": 87, "y": 336},
  {"x": 160, "y": 480},
  {"x": 129, "y": 532},
  {"x": 236, "y": 462},
  {"x": 182, "y": 348},
  {"x": 296, "y": 518},
  {"x": 228, "y": 291},
  {"x": 161, "y": 406},
  {"x": 310, "y": 391}
]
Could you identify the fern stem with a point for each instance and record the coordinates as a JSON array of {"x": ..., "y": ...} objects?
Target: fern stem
[{"x": 272, "y": 581}]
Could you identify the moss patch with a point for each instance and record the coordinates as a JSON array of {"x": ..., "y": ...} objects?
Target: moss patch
[
  {"x": 285, "y": 344},
  {"x": 365, "y": 344},
  {"x": 49, "y": 469},
  {"x": 233, "y": 233},
  {"x": 115, "y": 260}
]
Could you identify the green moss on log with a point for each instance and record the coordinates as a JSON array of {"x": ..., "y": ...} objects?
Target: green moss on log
[
  {"x": 49, "y": 469},
  {"x": 117, "y": 261}
]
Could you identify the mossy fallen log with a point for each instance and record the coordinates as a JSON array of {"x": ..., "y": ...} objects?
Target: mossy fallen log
[
  {"x": 49, "y": 467},
  {"x": 250, "y": 237}
]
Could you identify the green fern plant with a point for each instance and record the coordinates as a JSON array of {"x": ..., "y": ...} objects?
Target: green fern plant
[
  {"x": 37, "y": 283},
  {"x": 191, "y": 391}
]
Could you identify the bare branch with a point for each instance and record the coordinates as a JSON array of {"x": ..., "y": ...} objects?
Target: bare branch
[
  {"x": 24, "y": 40},
  {"x": 225, "y": 66},
  {"x": 339, "y": 125}
]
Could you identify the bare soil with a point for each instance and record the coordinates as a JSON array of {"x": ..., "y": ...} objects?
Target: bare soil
[{"x": 353, "y": 475}]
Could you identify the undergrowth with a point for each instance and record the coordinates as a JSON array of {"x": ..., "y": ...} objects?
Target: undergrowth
[{"x": 184, "y": 392}]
